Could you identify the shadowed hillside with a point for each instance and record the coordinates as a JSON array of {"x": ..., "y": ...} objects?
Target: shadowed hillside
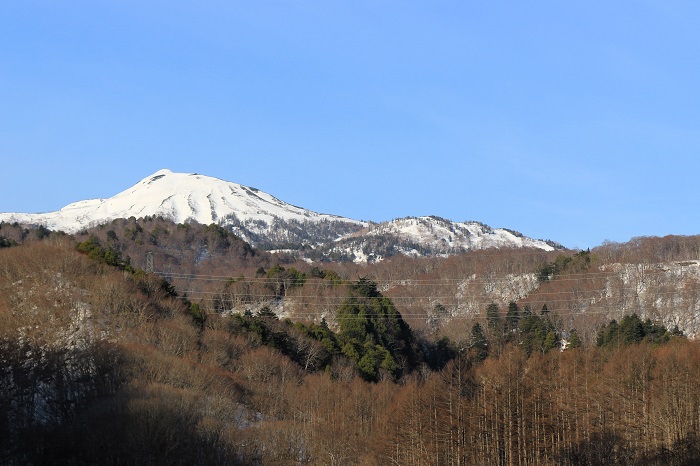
[{"x": 104, "y": 363}]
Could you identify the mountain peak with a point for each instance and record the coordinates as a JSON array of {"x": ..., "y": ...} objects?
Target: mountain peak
[
  {"x": 159, "y": 174},
  {"x": 265, "y": 221},
  {"x": 180, "y": 197}
]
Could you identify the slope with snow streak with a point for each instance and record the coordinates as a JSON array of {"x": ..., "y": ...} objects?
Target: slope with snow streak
[
  {"x": 439, "y": 233},
  {"x": 180, "y": 197},
  {"x": 269, "y": 223}
]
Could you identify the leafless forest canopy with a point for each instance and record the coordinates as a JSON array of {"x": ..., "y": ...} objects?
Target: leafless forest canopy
[{"x": 145, "y": 342}]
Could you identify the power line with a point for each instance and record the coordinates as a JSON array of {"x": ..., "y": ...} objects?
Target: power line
[
  {"x": 420, "y": 282},
  {"x": 558, "y": 306},
  {"x": 603, "y": 300}
]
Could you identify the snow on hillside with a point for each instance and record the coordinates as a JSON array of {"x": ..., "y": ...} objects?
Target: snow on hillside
[
  {"x": 439, "y": 233},
  {"x": 269, "y": 223},
  {"x": 423, "y": 236},
  {"x": 180, "y": 197},
  {"x": 668, "y": 292}
]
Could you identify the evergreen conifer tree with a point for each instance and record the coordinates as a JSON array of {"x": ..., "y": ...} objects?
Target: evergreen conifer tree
[
  {"x": 574, "y": 339},
  {"x": 512, "y": 317},
  {"x": 478, "y": 343},
  {"x": 493, "y": 318}
]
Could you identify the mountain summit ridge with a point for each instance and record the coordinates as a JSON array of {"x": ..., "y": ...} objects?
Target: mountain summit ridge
[
  {"x": 268, "y": 222},
  {"x": 180, "y": 197}
]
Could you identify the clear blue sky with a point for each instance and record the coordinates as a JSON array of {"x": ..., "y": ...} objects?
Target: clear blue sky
[{"x": 572, "y": 121}]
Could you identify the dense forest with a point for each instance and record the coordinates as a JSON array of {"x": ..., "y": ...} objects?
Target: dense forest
[{"x": 274, "y": 362}]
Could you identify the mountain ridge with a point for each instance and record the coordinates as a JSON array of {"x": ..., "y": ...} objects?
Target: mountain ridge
[{"x": 269, "y": 223}]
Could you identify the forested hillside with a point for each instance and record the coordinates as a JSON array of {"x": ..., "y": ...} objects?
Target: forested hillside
[{"x": 262, "y": 361}]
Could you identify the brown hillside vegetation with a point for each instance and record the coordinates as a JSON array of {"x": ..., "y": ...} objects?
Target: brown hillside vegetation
[
  {"x": 105, "y": 364},
  {"x": 657, "y": 278}
]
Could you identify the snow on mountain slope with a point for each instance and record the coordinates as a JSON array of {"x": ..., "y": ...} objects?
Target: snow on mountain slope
[
  {"x": 269, "y": 223},
  {"x": 180, "y": 197},
  {"x": 439, "y": 233},
  {"x": 423, "y": 236}
]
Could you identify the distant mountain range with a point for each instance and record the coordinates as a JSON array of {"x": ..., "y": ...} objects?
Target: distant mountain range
[{"x": 269, "y": 223}]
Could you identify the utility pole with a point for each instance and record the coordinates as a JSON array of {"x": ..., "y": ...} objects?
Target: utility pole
[{"x": 149, "y": 262}]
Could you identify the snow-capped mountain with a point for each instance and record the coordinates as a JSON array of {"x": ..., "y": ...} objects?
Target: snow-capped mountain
[
  {"x": 267, "y": 222},
  {"x": 180, "y": 197},
  {"x": 441, "y": 234},
  {"x": 431, "y": 235}
]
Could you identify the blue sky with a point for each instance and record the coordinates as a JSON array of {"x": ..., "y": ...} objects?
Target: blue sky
[{"x": 572, "y": 121}]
